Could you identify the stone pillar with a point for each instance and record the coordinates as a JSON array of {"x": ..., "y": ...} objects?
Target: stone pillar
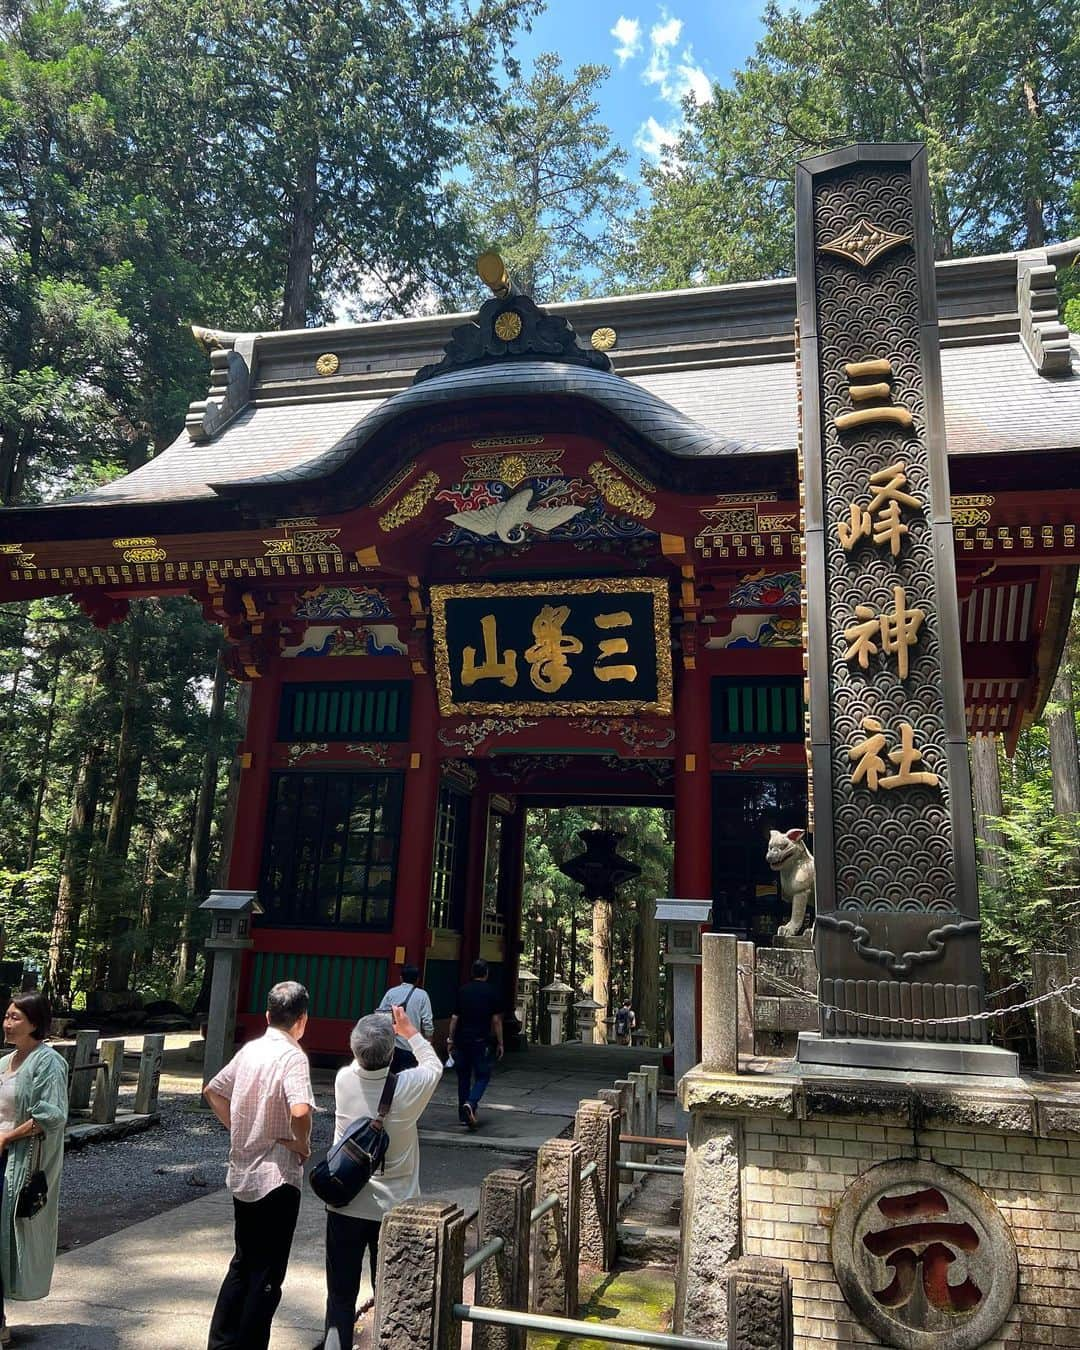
[
  {"x": 558, "y": 996},
  {"x": 639, "y": 1114},
  {"x": 506, "y": 1197},
  {"x": 759, "y": 1305},
  {"x": 617, "y": 1097},
  {"x": 111, "y": 1060},
  {"x": 146, "y": 1093},
  {"x": 421, "y": 1255},
  {"x": 1054, "y": 1033},
  {"x": 719, "y": 1003},
  {"x": 82, "y": 1084},
  {"x": 596, "y": 1129},
  {"x": 556, "y": 1234},
  {"x": 711, "y": 1228},
  {"x": 685, "y": 973},
  {"x": 221, "y": 1019},
  {"x": 745, "y": 1020},
  {"x": 652, "y": 1081}
]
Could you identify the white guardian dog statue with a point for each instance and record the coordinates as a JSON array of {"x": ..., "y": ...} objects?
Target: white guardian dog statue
[{"x": 788, "y": 855}]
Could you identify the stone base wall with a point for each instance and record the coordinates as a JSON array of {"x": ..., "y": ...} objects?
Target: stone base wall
[
  {"x": 771, "y": 1157},
  {"x": 795, "y": 1172}
]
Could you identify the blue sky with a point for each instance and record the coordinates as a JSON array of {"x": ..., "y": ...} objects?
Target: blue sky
[{"x": 656, "y": 53}]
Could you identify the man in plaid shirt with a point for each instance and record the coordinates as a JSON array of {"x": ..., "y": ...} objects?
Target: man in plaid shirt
[{"x": 263, "y": 1097}]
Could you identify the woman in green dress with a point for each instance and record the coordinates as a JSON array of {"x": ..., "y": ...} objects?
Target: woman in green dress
[{"x": 33, "y": 1112}]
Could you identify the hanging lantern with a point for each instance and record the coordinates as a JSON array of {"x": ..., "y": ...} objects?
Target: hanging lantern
[{"x": 600, "y": 870}]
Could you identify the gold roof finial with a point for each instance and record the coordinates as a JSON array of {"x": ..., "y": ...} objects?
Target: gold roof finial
[{"x": 492, "y": 272}]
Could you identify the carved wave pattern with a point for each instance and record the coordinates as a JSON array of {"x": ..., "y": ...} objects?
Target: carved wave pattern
[
  {"x": 893, "y": 848},
  {"x": 858, "y": 1007}
]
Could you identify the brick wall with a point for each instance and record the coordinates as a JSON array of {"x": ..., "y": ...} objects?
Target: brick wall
[{"x": 794, "y": 1173}]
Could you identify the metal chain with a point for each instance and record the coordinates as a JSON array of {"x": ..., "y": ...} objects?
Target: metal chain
[{"x": 793, "y": 991}]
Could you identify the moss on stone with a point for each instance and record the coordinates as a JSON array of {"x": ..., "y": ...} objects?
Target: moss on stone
[{"x": 635, "y": 1296}]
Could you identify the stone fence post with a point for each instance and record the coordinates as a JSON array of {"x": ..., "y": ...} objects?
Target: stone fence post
[
  {"x": 146, "y": 1093},
  {"x": 617, "y": 1098},
  {"x": 759, "y": 1304},
  {"x": 652, "y": 1082},
  {"x": 1054, "y": 1031},
  {"x": 107, "y": 1092},
  {"x": 719, "y": 1003},
  {"x": 596, "y": 1129},
  {"x": 556, "y": 1234},
  {"x": 639, "y": 1114},
  {"x": 506, "y": 1197},
  {"x": 421, "y": 1258},
  {"x": 82, "y": 1084}
]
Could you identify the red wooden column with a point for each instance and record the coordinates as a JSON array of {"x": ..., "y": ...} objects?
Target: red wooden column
[
  {"x": 412, "y": 898},
  {"x": 513, "y": 866},
  {"x": 473, "y": 909},
  {"x": 245, "y": 861},
  {"x": 693, "y": 786}
]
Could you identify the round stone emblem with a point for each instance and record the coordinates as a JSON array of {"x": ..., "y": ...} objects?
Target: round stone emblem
[
  {"x": 508, "y": 325},
  {"x": 327, "y": 364},
  {"x": 923, "y": 1257}
]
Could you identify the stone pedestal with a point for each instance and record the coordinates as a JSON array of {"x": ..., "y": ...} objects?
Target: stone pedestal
[
  {"x": 596, "y": 1129},
  {"x": 421, "y": 1256},
  {"x": 506, "y": 1198},
  {"x": 922, "y": 1211},
  {"x": 556, "y": 1235}
]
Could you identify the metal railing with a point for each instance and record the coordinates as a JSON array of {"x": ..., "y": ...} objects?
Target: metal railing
[
  {"x": 669, "y": 1169},
  {"x": 570, "y": 1328}
]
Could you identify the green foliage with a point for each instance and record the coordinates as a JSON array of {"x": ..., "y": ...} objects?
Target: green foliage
[
  {"x": 545, "y": 184},
  {"x": 990, "y": 89}
]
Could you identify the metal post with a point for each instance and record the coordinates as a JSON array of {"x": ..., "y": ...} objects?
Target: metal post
[
  {"x": 107, "y": 1092},
  {"x": 556, "y": 1234},
  {"x": 146, "y": 1094},
  {"x": 506, "y": 1197},
  {"x": 596, "y": 1129},
  {"x": 82, "y": 1083},
  {"x": 421, "y": 1255}
]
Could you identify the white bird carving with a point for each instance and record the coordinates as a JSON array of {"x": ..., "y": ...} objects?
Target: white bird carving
[{"x": 507, "y": 520}]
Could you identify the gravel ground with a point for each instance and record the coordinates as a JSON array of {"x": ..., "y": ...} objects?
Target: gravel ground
[{"x": 108, "y": 1186}]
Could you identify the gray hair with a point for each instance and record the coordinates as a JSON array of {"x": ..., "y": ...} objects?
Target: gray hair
[
  {"x": 372, "y": 1041},
  {"x": 286, "y": 1003}
]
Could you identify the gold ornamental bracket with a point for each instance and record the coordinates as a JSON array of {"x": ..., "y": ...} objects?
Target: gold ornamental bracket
[{"x": 492, "y": 272}]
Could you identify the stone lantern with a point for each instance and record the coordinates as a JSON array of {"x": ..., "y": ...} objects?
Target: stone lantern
[
  {"x": 586, "y": 1009},
  {"x": 558, "y": 1005},
  {"x": 231, "y": 913},
  {"x": 682, "y": 921},
  {"x": 526, "y": 995}
]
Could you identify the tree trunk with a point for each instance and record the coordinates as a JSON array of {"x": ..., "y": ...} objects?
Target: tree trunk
[
  {"x": 301, "y": 246},
  {"x": 72, "y": 891},
  {"x": 1065, "y": 759},
  {"x": 647, "y": 968},
  {"x": 603, "y": 916},
  {"x": 43, "y": 769},
  {"x": 114, "y": 919},
  {"x": 198, "y": 871},
  {"x": 986, "y": 781}
]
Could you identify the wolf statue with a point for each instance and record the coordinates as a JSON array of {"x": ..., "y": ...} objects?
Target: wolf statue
[{"x": 788, "y": 855}]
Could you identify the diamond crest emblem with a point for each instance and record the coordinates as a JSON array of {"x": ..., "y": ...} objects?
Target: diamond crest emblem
[{"x": 864, "y": 241}]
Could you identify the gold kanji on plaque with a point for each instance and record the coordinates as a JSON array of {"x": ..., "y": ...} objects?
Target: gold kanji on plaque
[
  {"x": 870, "y": 767},
  {"x": 897, "y": 630},
  {"x": 870, "y": 389},
  {"x": 880, "y": 520},
  {"x": 491, "y": 668},
  {"x": 614, "y": 647},
  {"x": 549, "y": 669}
]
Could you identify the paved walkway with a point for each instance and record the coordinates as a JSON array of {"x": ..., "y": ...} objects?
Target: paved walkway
[{"x": 152, "y": 1286}]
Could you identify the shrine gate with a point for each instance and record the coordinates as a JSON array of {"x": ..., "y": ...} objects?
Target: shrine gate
[{"x": 466, "y": 564}]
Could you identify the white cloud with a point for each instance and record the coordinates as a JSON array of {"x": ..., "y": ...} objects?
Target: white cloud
[
  {"x": 627, "y": 35},
  {"x": 674, "y": 79},
  {"x": 651, "y": 138}
]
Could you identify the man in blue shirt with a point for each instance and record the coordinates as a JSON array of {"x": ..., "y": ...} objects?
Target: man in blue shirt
[{"x": 414, "y": 1000}]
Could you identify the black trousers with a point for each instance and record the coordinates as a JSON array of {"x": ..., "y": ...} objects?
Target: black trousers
[
  {"x": 251, "y": 1290},
  {"x": 347, "y": 1239}
]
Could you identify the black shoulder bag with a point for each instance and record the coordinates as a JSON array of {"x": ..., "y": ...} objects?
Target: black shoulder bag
[{"x": 34, "y": 1195}]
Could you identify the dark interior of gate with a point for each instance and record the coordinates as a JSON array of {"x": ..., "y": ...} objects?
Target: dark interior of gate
[{"x": 532, "y": 573}]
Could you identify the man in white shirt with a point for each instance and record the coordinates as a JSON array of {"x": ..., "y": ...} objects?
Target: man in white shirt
[
  {"x": 354, "y": 1228},
  {"x": 414, "y": 1000},
  {"x": 263, "y": 1097}
]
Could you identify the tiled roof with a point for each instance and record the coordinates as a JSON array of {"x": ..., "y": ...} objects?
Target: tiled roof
[{"x": 994, "y": 402}]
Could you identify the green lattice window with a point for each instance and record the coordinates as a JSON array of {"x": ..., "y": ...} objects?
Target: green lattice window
[
  {"x": 353, "y": 710},
  {"x": 766, "y": 708}
]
